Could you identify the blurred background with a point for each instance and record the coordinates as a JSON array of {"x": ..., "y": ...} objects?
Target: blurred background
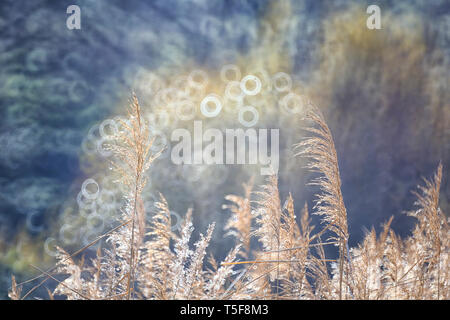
[{"x": 384, "y": 94}]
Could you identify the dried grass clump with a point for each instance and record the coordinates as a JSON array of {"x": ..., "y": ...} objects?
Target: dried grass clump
[
  {"x": 389, "y": 267},
  {"x": 152, "y": 261},
  {"x": 330, "y": 204}
]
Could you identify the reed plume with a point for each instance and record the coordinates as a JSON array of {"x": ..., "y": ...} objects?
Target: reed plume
[
  {"x": 321, "y": 152},
  {"x": 240, "y": 223}
]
